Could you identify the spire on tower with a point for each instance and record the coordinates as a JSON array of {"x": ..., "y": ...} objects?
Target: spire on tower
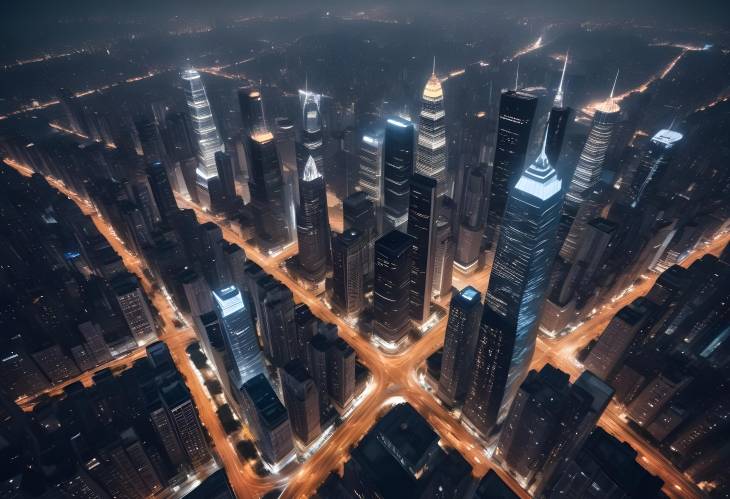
[
  {"x": 558, "y": 102},
  {"x": 614, "y": 83},
  {"x": 310, "y": 170},
  {"x": 433, "y": 71},
  {"x": 517, "y": 75}
]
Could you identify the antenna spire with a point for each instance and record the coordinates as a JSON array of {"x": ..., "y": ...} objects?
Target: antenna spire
[
  {"x": 433, "y": 71},
  {"x": 559, "y": 95},
  {"x": 517, "y": 75},
  {"x": 614, "y": 83}
]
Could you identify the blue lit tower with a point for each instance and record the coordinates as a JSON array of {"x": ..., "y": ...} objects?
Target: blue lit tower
[
  {"x": 517, "y": 286},
  {"x": 242, "y": 346},
  {"x": 204, "y": 131},
  {"x": 431, "y": 151},
  {"x": 588, "y": 172},
  {"x": 398, "y": 156}
]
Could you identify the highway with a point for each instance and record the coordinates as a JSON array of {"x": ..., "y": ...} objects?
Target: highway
[{"x": 393, "y": 377}]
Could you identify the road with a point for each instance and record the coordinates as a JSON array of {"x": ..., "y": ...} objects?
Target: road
[{"x": 393, "y": 379}]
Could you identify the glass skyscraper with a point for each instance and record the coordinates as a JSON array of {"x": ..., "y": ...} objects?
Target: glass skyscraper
[
  {"x": 431, "y": 151},
  {"x": 239, "y": 335},
  {"x": 517, "y": 286},
  {"x": 204, "y": 130},
  {"x": 398, "y": 159}
]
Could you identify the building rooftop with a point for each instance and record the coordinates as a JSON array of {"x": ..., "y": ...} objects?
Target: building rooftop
[
  {"x": 395, "y": 242},
  {"x": 269, "y": 407}
]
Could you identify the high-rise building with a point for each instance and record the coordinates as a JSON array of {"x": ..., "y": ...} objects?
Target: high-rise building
[
  {"x": 240, "y": 339},
  {"x": 517, "y": 286},
  {"x": 301, "y": 399},
  {"x": 150, "y": 139},
  {"x": 184, "y": 417},
  {"x": 313, "y": 227},
  {"x": 252, "y": 111},
  {"x": 391, "y": 292},
  {"x": 588, "y": 172},
  {"x": 134, "y": 306},
  {"x": 444, "y": 248},
  {"x": 348, "y": 262},
  {"x": 653, "y": 165},
  {"x": 278, "y": 330},
  {"x": 459, "y": 343},
  {"x": 341, "y": 373},
  {"x": 516, "y": 113},
  {"x": 311, "y": 140},
  {"x": 161, "y": 190},
  {"x": 398, "y": 159},
  {"x": 359, "y": 212},
  {"x": 473, "y": 211},
  {"x": 431, "y": 151},
  {"x": 557, "y": 124},
  {"x": 422, "y": 212},
  {"x": 227, "y": 183},
  {"x": 268, "y": 419},
  {"x": 266, "y": 185},
  {"x": 370, "y": 175},
  {"x": 204, "y": 130}
]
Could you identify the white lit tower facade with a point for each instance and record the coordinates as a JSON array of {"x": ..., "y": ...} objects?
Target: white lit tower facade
[
  {"x": 431, "y": 143},
  {"x": 205, "y": 132},
  {"x": 311, "y": 142},
  {"x": 517, "y": 286},
  {"x": 588, "y": 173}
]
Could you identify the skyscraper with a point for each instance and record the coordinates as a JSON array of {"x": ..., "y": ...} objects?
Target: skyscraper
[
  {"x": 516, "y": 113},
  {"x": 227, "y": 187},
  {"x": 266, "y": 186},
  {"x": 475, "y": 205},
  {"x": 349, "y": 251},
  {"x": 517, "y": 286},
  {"x": 313, "y": 227},
  {"x": 588, "y": 172},
  {"x": 359, "y": 213},
  {"x": 370, "y": 177},
  {"x": 161, "y": 190},
  {"x": 301, "y": 399},
  {"x": 240, "y": 339},
  {"x": 444, "y": 248},
  {"x": 392, "y": 277},
  {"x": 341, "y": 373},
  {"x": 204, "y": 130},
  {"x": 431, "y": 151},
  {"x": 252, "y": 111},
  {"x": 398, "y": 157},
  {"x": 557, "y": 124},
  {"x": 653, "y": 165},
  {"x": 422, "y": 214},
  {"x": 459, "y": 343}
]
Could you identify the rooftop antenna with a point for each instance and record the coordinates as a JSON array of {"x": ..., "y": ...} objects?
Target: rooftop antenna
[
  {"x": 517, "y": 75},
  {"x": 614, "y": 83},
  {"x": 433, "y": 71},
  {"x": 559, "y": 95}
]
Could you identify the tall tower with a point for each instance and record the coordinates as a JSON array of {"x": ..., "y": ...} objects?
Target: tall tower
[
  {"x": 461, "y": 334},
  {"x": 370, "y": 177},
  {"x": 240, "y": 339},
  {"x": 391, "y": 286},
  {"x": 204, "y": 130},
  {"x": 422, "y": 214},
  {"x": 473, "y": 220},
  {"x": 516, "y": 113},
  {"x": 266, "y": 185},
  {"x": 517, "y": 286},
  {"x": 557, "y": 124},
  {"x": 311, "y": 141},
  {"x": 431, "y": 152},
  {"x": 653, "y": 165},
  {"x": 588, "y": 172},
  {"x": 349, "y": 250},
  {"x": 313, "y": 226},
  {"x": 398, "y": 159}
]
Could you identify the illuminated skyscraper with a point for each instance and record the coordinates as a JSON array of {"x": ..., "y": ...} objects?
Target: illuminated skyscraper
[
  {"x": 370, "y": 178},
  {"x": 517, "y": 286},
  {"x": 431, "y": 152},
  {"x": 240, "y": 339},
  {"x": 588, "y": 172},
  {"x": 391, "y": 286},
  {"x": 398, "y": 159},
  {"x": 313, "y": 226},
  {"x": 252, "y": 111},
  {"x": 311, "y": 141},
  {"x": 653, "y": 165},
  {"x": 516, "y": 113},
  {"x": 204, "y": 130},
  {"x": 421, "y": 226}
]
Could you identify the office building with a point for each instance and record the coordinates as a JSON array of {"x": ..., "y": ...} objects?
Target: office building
[
  {"x": 226, "y": 184},
  {"x": 184, "y": 417},
  {"x": 242, "y": 346},
  {"x": 422, "y": 212},
  {"x": 251, "y": 105},
  {"x": 134, "y": 306},
  {"x": 653, "y": 165},
  {"x": 516, "y": 114},
  {"x": 162, "y": 191},
  {"x": 398, "y": 159},
  {"x": 349, "y": 252},
  {"x": 341, "y": 373},
  {"x": 360, "y": 213},
  {"x": 311, "y": 139},
  {"x": 473, "y": 211},
  {"x": 465, "y": 313},
  {"x": 301, "y": 399},
  {"x": 276, "y": 322},
  {"x": 431, "y": 150},
  {"x": 268, "y": 420},
  {"x": 370, "y": 173},
  {"x": 391, "y": 291}
]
